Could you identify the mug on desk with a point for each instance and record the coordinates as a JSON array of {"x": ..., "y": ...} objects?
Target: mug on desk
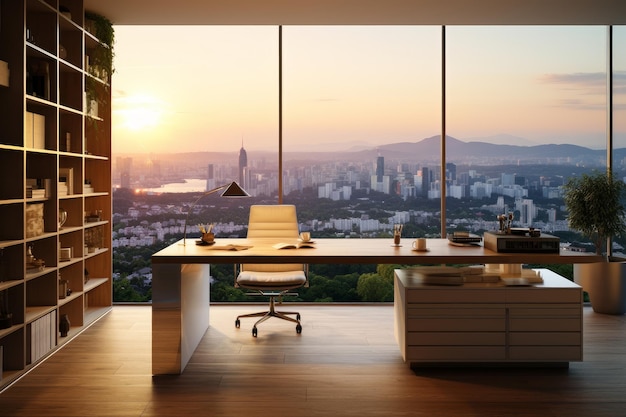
[
  {"x": 419, "y": 244},
  {"x": 305, "y": 236},
  {"x": 208, "y": 237}
]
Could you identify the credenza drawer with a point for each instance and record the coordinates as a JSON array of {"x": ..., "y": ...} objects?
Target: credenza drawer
[
  {"x": 449, "y": 295},
  {"x": 545, "y": 325},
  {"x": 546, "y": 353},
  {"x": 456, "y": 324},
  {"x": 456, "y": 339},
  {"x": 544, "y": 295},
  {"x": 541, "y": 310},
  {"x": 455, "y": 354},
  {"x": 455, "y": 310},
  {"x": 545, "y": 339}
]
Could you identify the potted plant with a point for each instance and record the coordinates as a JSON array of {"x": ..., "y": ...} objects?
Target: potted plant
[{"x": 595, "y": 208}]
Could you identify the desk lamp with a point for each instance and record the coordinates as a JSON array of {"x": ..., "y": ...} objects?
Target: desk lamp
[{"x": 231, "y": 190}]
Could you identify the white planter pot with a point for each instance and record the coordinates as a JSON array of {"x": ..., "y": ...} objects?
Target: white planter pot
[{"x": 605, "y": 282}]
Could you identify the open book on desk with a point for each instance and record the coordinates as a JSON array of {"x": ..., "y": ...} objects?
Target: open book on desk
[{"x": 297, "y": 245}]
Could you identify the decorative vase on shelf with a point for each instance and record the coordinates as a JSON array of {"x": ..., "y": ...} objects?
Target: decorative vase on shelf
[
  {"x": 62, "y": 217},
  {"x": 64, "y": 325}
]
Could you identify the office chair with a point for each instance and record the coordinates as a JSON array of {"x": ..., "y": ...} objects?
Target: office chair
[{"x": 278, "y": 222}]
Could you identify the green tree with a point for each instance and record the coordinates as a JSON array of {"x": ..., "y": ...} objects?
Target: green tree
[
  {"x": 374, "y": 288},
  {"x": 123, "y": 290}
]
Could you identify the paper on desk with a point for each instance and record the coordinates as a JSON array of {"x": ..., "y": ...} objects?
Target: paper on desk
[{"x": 229, "y": 247}]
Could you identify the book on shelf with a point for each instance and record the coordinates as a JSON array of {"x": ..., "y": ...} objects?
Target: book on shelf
[
  {"x": 296, "y": 245},
  {"x": 66, "y": 176}
]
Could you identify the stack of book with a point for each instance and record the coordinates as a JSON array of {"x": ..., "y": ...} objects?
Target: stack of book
[
  {"x": 62, "y": 188},
  {"x": 66, "y": 181},
  {"x": 37, "y": 188},
  {"x": 464, "y": 239}
]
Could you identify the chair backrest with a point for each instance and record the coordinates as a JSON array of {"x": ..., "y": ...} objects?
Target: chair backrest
[
  {"x": 273, "y": 221},
  {"x": 278, "y": 222}
]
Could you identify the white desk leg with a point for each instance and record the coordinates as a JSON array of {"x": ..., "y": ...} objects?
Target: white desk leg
[{"x": 180, "y": 314}]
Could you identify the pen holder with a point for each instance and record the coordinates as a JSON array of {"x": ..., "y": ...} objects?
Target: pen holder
[{"x": 208, "y": 237}]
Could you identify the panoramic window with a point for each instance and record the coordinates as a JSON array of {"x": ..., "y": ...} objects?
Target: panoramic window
[{"x": 195, "y": 108}]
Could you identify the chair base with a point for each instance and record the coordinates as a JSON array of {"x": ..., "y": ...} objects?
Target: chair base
[{"x": 284, "y": 315}]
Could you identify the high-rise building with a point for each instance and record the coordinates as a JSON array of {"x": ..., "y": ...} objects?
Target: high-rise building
[
  {"x": 210, "y": 177},
  {"x": 380, "y": 168},
  {"x": 425, "y": 180},
  {"x": 243, "y": 164},
  {"x": 527, "y": 211},
  {"x": 450, "y": 171},
  {"x": 124, "y": 167},
  {"x": 379, "y": 181}
]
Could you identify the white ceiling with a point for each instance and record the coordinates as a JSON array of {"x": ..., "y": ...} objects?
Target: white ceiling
[{"x": 360, "y": 12}]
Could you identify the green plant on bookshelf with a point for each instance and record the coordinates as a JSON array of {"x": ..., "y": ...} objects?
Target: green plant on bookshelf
[{"x": 101, "y": 58}]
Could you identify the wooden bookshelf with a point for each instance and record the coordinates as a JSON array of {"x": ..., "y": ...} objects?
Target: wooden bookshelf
[{"x": 49, "y": 148}]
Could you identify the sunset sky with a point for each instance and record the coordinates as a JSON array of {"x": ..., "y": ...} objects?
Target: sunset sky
[{"x": 179, "y": 89}]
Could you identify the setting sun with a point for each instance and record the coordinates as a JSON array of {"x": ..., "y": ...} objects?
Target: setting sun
[{"x": 139, "y": 112}]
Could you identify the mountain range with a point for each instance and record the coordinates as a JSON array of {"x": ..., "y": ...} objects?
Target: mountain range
[
  {"x": 426, "y": 150},
  {"x": 458, "y": 151}
]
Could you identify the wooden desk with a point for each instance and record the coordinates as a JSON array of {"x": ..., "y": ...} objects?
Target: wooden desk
[{"x": 181, "y": 279}]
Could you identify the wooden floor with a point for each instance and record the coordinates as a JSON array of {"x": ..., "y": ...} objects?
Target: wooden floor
[{"x": 345, "y": 363}]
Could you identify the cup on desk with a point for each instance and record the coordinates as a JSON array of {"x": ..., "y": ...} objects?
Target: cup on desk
[
  {"x": 305, "y": 236},
  {"x": 397, "y": 234},
  {"x": 208, "y": 237},
  {"x": 419, "y": 243}
]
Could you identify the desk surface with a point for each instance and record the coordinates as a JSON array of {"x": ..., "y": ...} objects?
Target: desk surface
[{"x": 352, "y": 251}]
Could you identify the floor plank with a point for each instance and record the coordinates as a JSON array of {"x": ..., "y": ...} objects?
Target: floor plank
[{"x": 345, "y": 363}]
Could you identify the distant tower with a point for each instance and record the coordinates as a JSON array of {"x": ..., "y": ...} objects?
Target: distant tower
[
  {"x": 380, "y": 168},
  {"x": 243, "y": 164},
  {"x": 425, "y": 181},
  {"x": 124, "y": 166},
  {"x": 451, "y": 171},
  {"x": 210, "y": 178}
]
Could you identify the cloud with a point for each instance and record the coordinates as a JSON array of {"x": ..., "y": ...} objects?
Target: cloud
[
  {"x": 592, "y": 81},
  {"x": 586, "y": 84}
]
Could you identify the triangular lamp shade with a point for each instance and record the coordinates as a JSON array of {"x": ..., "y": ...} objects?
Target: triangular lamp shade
[{"x": 234, "y": 190}]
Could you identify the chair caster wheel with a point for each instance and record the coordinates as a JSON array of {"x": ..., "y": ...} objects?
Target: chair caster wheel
[
  {"x": 299, "y": 328},
  {"x": 298, "y": 316},
  {"x": 237, "y": 323},
  {"x": 254, "y": 332}
]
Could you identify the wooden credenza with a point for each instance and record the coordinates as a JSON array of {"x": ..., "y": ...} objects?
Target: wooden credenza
[{"x": 488, "y": 322}]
